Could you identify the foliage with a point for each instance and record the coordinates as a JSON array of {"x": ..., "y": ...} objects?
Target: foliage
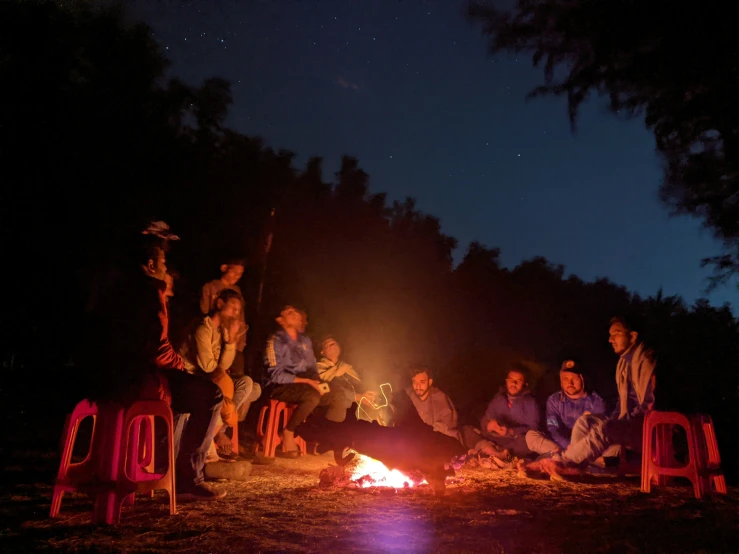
[
  {"x": 94, "y": 138},
  {"x": 676, "y": 68}
]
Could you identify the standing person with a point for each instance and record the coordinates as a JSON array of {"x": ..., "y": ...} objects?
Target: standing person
[
  {"x": 293, "y": 377},
  {"x": 131, "y": 358}
]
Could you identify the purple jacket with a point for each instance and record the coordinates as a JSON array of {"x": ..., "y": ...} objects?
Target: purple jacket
[
  {"x": 563, "y": 412},
  {"x": 520, "y": 417}
]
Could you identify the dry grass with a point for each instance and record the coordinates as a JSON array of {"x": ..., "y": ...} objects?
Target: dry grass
[{"x": 282, "y": 508}]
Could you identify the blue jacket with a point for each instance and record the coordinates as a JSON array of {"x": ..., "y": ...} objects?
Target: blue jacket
[
  {"x": 286, "y": 359},
  {"x": 522, "y": 416},
  {"x": 563, "y": 412}
]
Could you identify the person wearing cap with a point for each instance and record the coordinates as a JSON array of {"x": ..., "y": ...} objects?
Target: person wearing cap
[
  {"x": 129, "y": 351},
  {"x": 564, "y": 408},
  {"x": 635, "y": 381},
  {"x": 341, "y": 375}
]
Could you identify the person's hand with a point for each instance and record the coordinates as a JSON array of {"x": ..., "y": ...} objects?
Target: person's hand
[
  {"x": 493, "y": 427},
  {"x": 234, "y": 330},
  {"x": 313, "y": 383},
  {"x": 218, "y": 373},
  {"x": 369, "y": 395},
  {"x": 503, "y": 431}
]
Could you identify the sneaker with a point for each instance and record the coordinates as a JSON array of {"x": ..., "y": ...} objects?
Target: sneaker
[
  {"x": 203, "y": 491},
  {"x": 599, "y": 462}
]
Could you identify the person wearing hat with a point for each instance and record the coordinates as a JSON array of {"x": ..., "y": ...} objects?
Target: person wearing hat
[
  {"x": 596, "y": 437},
  {"x": 127, "y": 348},
  {"x": 564, "y": 408}
]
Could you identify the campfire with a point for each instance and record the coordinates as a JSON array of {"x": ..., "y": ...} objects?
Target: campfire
[{"x": 367, "y": 472}]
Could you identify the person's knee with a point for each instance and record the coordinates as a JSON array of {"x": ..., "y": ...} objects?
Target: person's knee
[
  {"x": 256, "y": 392},
  {"x": 343, "y": 402},
  {"x": 243, "y": 384},
  {"x": 212, "y": 394},
  {"x": 312, "y": 399},
  {"x": 533, "y": 438}
]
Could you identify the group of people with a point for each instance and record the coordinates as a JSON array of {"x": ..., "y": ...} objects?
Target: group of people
[
  {"x": 578, "y": 429},
  {"x": 204, "y": 378}
]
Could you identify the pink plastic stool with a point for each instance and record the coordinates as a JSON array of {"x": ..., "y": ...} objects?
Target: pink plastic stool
[
  {"x": 120, "y": 460},
  {"x": 703, "y": 467},
  {"x": 269, "y": 437}
]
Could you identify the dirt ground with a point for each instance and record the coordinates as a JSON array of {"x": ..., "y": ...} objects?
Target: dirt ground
[{"x": 281, "y": 508}]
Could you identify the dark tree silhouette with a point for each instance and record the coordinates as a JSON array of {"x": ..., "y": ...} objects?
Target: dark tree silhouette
[
  {"x": 676, "y": 68},
  {"x": 94, "y": 138}
]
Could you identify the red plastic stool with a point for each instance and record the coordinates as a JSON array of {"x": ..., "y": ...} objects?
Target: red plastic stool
[
  {"x": 711, "y": 473},
  {"x": 141, "y": 464},
  {"x": 703, "y": 467},
  {"x": 269, "y": 437},
  {"x": 120, "y": 460}
]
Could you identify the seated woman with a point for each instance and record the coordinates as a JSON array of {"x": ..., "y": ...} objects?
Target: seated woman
[
  {"x": 344, "y": 378},
  {"x": 210, "y": 351}
]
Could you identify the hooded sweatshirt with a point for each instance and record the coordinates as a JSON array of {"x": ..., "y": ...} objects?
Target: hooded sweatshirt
[
  {"x": 436, "y": 410},
  {"x": 635, "y": 380},
  {"x": 563, "y": 412},
  {"x": 519, "y": 413}
]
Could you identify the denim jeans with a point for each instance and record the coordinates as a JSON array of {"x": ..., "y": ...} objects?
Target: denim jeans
[
  {"x": 594, "y": 436},
  {"x": 246, "y": 391},
  {"x": 199, "y": 397}
]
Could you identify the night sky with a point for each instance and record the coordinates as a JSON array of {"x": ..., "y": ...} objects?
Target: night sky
[{"x": 408, "y": 88}]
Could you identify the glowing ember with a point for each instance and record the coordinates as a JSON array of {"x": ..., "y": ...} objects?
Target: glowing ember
[{"x": 368, "y": 472}]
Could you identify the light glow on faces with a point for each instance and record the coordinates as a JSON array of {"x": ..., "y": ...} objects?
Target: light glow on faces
[
  {"x": 422, "y": 384},
  {"x": 515, "y": 382}
]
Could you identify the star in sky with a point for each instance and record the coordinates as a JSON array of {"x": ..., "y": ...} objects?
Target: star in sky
[{"x": 413, "y": 78}]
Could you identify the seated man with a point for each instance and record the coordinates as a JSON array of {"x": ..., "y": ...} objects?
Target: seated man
[
  {"x": 341, "y": 375},
  {"x": 564, "y": 408},
  {"x": 635, "y": 378},
  {"x": 231, "y": 273},
  {"x": 131, "y": 358},
  {"x": 293, "y": 377},
  {"x": 433, "y": 406},
  {"x": 210, "y": 350},
  {"x": 511, "y": 414}
]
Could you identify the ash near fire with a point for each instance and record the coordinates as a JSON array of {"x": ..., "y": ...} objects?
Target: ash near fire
[{"x": 410, "y": 447}]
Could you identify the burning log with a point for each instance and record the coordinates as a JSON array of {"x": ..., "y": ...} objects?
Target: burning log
[
  {"x": 333, "y": 475},
  {"x": 411, "y": 448}
]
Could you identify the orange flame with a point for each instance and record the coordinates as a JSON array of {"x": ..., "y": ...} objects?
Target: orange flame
[{"x": 369, "y": 472}]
